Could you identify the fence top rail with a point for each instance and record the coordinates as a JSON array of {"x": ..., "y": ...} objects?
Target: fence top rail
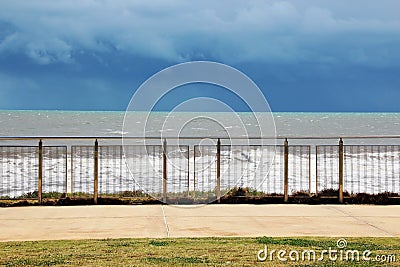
[{"x": 30, "y": 138}]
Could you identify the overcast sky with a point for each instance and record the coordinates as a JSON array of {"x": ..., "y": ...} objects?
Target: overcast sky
[{"x": 305, "y": 55}]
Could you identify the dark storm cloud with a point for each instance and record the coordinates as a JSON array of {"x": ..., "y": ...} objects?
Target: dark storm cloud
[
  {"x": 103, "y": 46},
  {"x": 230, "y": 31}
]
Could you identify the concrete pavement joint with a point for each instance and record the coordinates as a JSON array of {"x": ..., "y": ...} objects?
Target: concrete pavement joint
[
  {"x": 363, "y": 221},
  {"x": 165, "y": 220}
]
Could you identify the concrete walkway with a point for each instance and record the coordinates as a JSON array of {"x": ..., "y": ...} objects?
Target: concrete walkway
[{"x": 154, "y": 221}]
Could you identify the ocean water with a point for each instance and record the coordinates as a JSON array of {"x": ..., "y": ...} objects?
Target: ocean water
[
  {"x": 370, "y": 169},
  {"x": 100, "y": 123}
]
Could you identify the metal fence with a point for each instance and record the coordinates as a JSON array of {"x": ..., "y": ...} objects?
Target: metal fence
[
  {"x": 169, "y": 172},
  {"x": 54, "y": 168},
  {"x": 20, "y": 167},
  {"x": 372, "y": 168},
  {"x": 327, "y": 168},
  {"x": 17, "y": 165}
]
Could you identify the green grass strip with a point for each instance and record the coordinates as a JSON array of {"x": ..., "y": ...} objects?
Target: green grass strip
[{"x": 191, "y": 252}]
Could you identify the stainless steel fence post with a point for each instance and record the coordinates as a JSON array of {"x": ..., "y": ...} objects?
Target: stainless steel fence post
[
  {"x": 341, "y": 157},
  {"x": 40, "y": 172},
  {"x": 96, "y": 172},
  {"x": 165, "y": 171},
  {"x": 219, "y": 171},
  {"x": 286, "y": 171}
]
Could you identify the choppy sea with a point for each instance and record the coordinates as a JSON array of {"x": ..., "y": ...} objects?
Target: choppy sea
[{"x": 106, "y": 123}]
